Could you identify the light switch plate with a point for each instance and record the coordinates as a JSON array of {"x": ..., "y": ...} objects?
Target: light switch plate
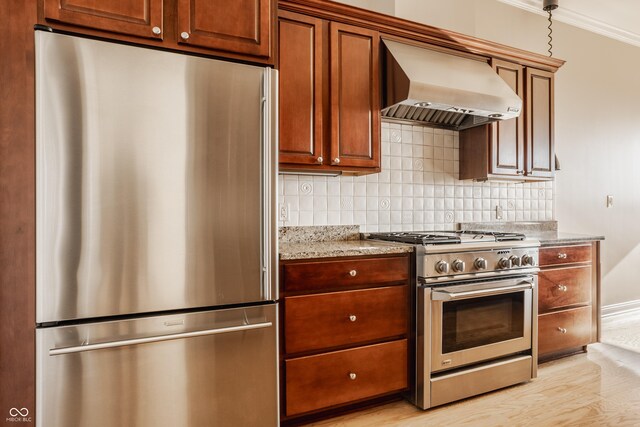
[
  {"x": 609, "y": 201},
  {"x": 283, "y": 211}
]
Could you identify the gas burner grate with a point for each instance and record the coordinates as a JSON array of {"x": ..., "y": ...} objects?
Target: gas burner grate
[
  {"x": 417, "y": 238},
  {"x": 498, "y": 235}
]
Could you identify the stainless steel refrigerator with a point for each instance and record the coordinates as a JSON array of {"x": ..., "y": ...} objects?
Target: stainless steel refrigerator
[{"x": 156, "y": 242}]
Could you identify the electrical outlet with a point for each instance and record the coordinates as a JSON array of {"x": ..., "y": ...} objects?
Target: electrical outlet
[
  {"x": 498, "y": 212},
  {"x": 283, "y": 211},
  {"x": 609, "y": 201}
]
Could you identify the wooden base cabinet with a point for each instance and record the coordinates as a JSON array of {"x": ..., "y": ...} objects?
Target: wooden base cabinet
[
  {"x": 329, "y": 96},
  {"x": 568, "y": 299},
  {"x": 239, "y": 29},
  {"x": 344, "y": 333}
]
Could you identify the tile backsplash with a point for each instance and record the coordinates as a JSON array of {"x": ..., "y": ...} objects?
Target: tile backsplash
[{"x": 418, "y": 189}]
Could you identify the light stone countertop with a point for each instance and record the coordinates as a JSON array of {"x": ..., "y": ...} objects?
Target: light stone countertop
[
  {"x": 548, "y": 238},
  {"x": 340, "y": 248}
]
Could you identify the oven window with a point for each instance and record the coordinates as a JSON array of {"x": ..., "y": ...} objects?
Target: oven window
[{"x": 480, "y": 321}]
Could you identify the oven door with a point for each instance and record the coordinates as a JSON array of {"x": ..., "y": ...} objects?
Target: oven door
[{"x": 481, "y": 321}]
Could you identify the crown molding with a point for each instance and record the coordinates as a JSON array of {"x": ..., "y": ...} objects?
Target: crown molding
[{"x": 578, "y": 20}]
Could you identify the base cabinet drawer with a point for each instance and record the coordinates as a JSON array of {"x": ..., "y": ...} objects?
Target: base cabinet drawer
[
  {"x": 345, "y": 273},
  {"x": 559, "y": 255},
  {"x": 338, "y": 377},
  {"x": 341, "y": 318},
  {"x": 563, "y": 330},
  {"x": 564, "y": 287}
]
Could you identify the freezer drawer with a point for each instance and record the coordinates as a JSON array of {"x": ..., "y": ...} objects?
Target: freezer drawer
[{"x": 215, "y": 368}]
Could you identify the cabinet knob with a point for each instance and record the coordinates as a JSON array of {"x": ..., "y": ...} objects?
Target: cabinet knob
[
  {"x": 520, "y": 172},
  {"x": 336, "y": 160},
  {"x": 563, "y": 288},
  {"x": 352, "y": 375},
  {"x": 156, "y": 30},
  {"x": 184, "y": 35},
  {"x": 562, "y": 256},
  {"x": 353, "y": 317},
  {"x": 562, "y": 330},
  {"x": 353, "y": 273},
  {"x": 319, "y": 159}
]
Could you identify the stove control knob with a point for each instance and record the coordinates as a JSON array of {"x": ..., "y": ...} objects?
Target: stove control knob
[
  {"x": 458, "y": 265},
  {"x": 504, "y": 263},
  {"x": 442, "y": 267},
  {"x": 481, "y": 263},
  {"x": 527, "y": 260},
  {"x": 515, "y": 260}
]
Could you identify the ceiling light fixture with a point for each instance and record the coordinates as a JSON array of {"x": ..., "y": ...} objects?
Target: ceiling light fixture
[{"x": 548, "y": 6}]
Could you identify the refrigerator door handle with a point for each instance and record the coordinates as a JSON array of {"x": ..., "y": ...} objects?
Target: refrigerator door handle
[{"x": 136, "y": 341}]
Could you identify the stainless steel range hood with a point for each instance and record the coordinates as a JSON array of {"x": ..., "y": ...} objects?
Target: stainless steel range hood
[{"x": 444, "y": 90}]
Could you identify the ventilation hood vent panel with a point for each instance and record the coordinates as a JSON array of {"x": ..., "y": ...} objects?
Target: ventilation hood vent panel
[{"x": 444, "y": 90}]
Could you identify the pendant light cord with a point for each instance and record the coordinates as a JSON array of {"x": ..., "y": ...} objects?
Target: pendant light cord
[{"x": 550, "y": 34}]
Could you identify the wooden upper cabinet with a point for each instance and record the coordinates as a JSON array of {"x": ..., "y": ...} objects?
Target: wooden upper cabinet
[
  {"x": 300, "y": 74},
  {"x": 355, "y": 96},
  {"x": 507, "y": 136},
  {"x": 521, "y": 149},
  {"x": 240, "y": 26},
  {"x": 540, "y": 159},
  {"x": 329, "y": 95},
  {"x": 133, "y": 17}
]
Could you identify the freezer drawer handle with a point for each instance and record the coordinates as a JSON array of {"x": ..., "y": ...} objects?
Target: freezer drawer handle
[{"x": 136, "y": 341}]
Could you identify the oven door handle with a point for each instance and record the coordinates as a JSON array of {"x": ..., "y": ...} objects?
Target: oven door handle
[{"x": 442, "y": 295}]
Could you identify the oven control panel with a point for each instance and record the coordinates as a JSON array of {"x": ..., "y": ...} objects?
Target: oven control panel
[{"x": 476, "y": 262}]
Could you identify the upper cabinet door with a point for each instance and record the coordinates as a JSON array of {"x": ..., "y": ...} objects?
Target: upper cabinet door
[
  {"x": 300, "y": 73},
  {"x": 133, "y": 17},
  {"x": 507, "y": 136},
  {"x": 539, "y": 111},
  {"x": 355, "y": 97},
  {"x": 239, "y": 26}
]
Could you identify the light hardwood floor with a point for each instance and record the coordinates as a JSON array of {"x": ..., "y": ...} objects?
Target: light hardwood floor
[{"x": 600, "y": 388}]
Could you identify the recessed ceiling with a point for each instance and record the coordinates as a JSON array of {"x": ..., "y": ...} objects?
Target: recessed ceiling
[{"x": 618, "y": 19}]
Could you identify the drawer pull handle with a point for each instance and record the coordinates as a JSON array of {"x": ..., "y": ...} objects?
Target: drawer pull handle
[
  {"x": 562, "y": 256},
  {"x": 563, "y": 288},
  {"x": 562, "y": 330},
  {"x": 353, "y": 317},
  {"x": 352, "y": 375},
  {"x": 353, "y": 273}
]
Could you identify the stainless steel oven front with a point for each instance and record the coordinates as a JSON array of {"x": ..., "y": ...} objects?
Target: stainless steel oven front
[
  {"x": 475, "y": 336},
  {"x": 471, "y": 323}
]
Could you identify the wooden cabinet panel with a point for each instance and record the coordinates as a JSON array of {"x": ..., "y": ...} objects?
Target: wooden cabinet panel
[
  {"x": 300, "y": 103},
  {"x": 563, "y": 287},
  {"x": 320, "y": 275},
  {"x": 540, "y": 160},
  {"x": 241, "y": 26},
  {"x": 559, "y": 255},
  {"x": 563, "y": 330},
  {"x": 507, "y": 136},
  {"x": 134, "y": 17},
  {"x": 321, "y": 381},
  {"x": 355, "y": 96},
  {"x": 348, "y": 317}
]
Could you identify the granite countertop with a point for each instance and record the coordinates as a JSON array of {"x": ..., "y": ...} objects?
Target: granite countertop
[
  {"x": 338, "y": 248},
  {"x": 544, "y": 231},
  {"x": 547, "y": 238}
]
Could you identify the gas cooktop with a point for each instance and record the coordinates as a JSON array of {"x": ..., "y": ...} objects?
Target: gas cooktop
[{"x": 447, "y": 237}]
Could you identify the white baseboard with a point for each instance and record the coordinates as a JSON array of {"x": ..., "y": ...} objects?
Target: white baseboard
[{"x": 623, "y": 307}]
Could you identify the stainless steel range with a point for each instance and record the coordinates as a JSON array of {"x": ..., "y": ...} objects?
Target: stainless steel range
[{"x": 476, "y": 311}]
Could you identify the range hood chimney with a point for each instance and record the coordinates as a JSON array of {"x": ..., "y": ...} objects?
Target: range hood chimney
[{"x": 444, "y": 90}]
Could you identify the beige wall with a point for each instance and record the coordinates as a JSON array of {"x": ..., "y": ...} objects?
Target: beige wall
[{"x": 597, "y": 131}]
